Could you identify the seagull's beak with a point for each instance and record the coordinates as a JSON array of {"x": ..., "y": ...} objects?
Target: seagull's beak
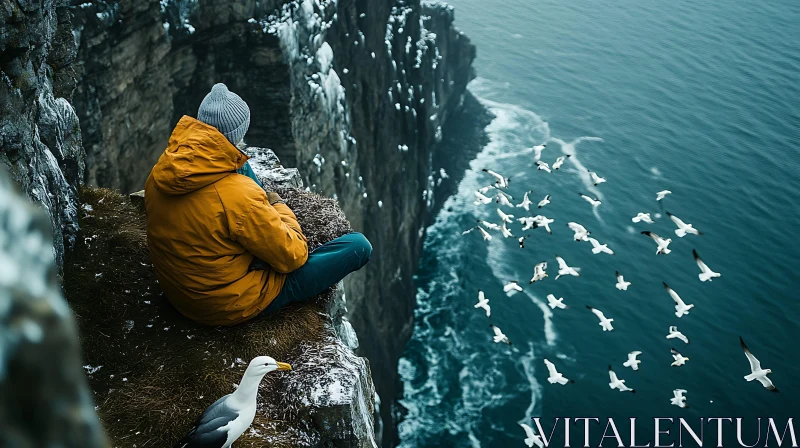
[{"x": 284, "y": 366}]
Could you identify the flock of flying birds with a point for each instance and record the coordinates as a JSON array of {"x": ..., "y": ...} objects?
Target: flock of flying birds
[{"x": 495, "y": 193}]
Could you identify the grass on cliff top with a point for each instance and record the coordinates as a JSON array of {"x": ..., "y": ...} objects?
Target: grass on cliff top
[{"x": 153, "y": 372}]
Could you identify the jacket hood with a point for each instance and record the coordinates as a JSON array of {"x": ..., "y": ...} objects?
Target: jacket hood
[{"x": 197, "y": 156}]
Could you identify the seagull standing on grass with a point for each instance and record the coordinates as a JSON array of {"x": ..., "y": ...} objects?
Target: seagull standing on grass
[
  {"x": 706, "y": 274},
  {"x": 756, "y": 371},
  {"x": 594, "y": 201},
  {"x": 604, "y": 322},
  {"x": 560, "y": 161},
  {"x": 499, "y": 336},
  {"x": 526, "y": 203},
  {"x": 555, "y": 375},
  {"x": 643, "y": 217},
  {"x": 554, "y": 303},
  {"x": 597, "y": 247},
  {"x": 581, "y": 234},
  {"x": 679, "y": 359},
  {"x": 531, "y": 438},
  {"x": 543, "y": 166},
  {"x": 622, "y": 285},
  {"x": 683, "y": 228},
  {"x": 675, "y": 334},
  {"x": 511, "y": 288},
  {"x": 229, "y": 417},
  {"x": 564, "y": 269},
  {"x": 632, "y": 362},
  {"x": 539, "y": 272},
  {"x": 617, "y": 383},
  {"x": 483, "y": 302},
  {"x": 681, "y": 308},
  {"x": 537, "y": 151},
  {"x": 499, "y": 180},
  {"x": 678, "y": 398},
  {"x": 661, "y": 194},
  {"x": 663, "y": 244},
  {"x": 596, "y": 180}
]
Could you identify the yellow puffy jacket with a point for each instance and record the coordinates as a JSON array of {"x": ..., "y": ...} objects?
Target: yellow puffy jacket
[{"x": 206, "y": 224}]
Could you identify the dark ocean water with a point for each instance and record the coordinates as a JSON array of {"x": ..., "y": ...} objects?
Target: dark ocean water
[{"x": 701, "y": 98}]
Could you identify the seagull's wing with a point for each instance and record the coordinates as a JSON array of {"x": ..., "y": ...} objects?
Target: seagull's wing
[
  {"x": 755, "y": 364},
  {"x": 551, "y": 368},
  {"x": 497, "y": 331},
  {"x": 678, "y": 222},
  {"x": 703, "y": 267},
  {"x": 634, "y": 354},
  {"x": 673, "y": 294},
  {"x": 652, "y": 235},
  {"x": 674, "y": 352},
  {"x": 678, "y": 393},
  {"x": 596, "y": 312},
  {"x": 561, "y": 263},
  {"x": 612, "y": 375},
  {"x": 587, "y": 198},
  {"x": 206, "y": 429},
  {"x": 594, "y": 242}
]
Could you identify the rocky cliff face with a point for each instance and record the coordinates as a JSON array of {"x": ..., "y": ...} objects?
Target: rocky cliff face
[{"x": 354, "y": 93}]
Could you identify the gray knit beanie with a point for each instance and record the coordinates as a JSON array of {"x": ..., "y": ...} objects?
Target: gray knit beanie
[{"x": 226, "y": 111}]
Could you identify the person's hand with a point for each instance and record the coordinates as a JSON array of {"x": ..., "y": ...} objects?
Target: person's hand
[{"x": 274, "y": 198}]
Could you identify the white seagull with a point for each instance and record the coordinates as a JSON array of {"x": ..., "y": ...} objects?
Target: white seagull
[
  {"x": 480, "y": 199},
  {"x": 526, "y": 203},
  {"x": 499, "y": 336},
  {"x": 604, "y": 321},
  {"x": 706, "y": 274},
  {"x": 489, "y": 225},
  {"x": 596, "y": 180},
  {"x": 537, "y": 151},
  {"x": 539, "y": 272},
  {"x": 544, "y": 201},
  {"x": 597, "y": 247},
  {"x": 622, "y": 285},
  {"x": 564, "y": 269},
  {"x": 483, "y": 302},
  {"x": 521, "y": 241},
  {"x": 594, "y": 201},
  {"x": 675, "y": 334},
  {"x": 560, "y": 161},
  {"x": 555, "y": 375},
  {"x": 504, "y": 217},
  {"x": 506, "y": 233},
  {"x": 528, "y": 222},
  {"x": 554, "y": 303},
  {"x": 543, "y": 166},
  {"x": 543, "y": 221},
  {"x": 229, "y": 417},
  {"x": 663, "y": 244},
  {"x": 643, "y": 217},
  {"x": 486, "y": 236},
  {"x": 502, "y": 199},
  {"x": 531, "y": 438},
  {"x": 660, "y": 195},
  {"x": 511, "y": 288},
  {"x": 756, "y": 371},
  {"x": 678, "y": 398},
  {"x": 499, "y": 180},
  {"x": 681, "y": 308},
  {"x": 581, "y": 234},
  {"x": 679, "y": 359},
  {"x": 617, "y": 383},
  {"x": 683, "y": 228},
  {"x": 632, "y": 362}
]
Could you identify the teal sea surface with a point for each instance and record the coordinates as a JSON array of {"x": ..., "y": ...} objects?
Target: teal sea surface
[{"x": 698, "y": 97}]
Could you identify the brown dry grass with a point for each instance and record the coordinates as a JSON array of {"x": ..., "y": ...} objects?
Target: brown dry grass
[{"x": 160, "y": 371}]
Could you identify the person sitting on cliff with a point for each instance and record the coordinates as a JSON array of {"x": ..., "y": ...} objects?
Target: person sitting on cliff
[{"x": 209, "y": 222}]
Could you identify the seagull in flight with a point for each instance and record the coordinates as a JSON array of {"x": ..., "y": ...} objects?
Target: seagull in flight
[
  {"x": 499, "y": 180},
  {"x": 499, "y": 336},
  {"x": 543, "y": 166},
  {"x": 560, "y": 161},
  {"x": 663, "y": 244},
  {"x": 596, "y": 180},
  {"x": 486, "y": 236},
  {"x": 543, "y": 221},
  {"x": 679, "y": 359},
  {"x": 526, "y": 203},
  {"x": 594, "y": 201},
  {"x": 617, "y": 383},
  {"x": 554, "y": 303},
  {"x": 706, "y": 274},
  {"x": 502, "y": 199},
  {"x": 489, "y": 225},
  {"x": 528, "y": 222},
  {"x": 675, "y": 334},
  {"x": 511, "y": 288},
  {"x": 506, "y": 233},
  {"x": 481, "y": 199},
  {"x": 539, "y": 272},
  {"x": 581, "y": 234},
  {"x": 678, "y": 398},
  {"x": 681, "y": 308},
  {"x": 544, "y": 201},
  {"x": 756, "y": 371},
  {"x": 531, "y": 438},
  {"x": 537, "y": 151},
  {"x": 555, "y": 375},
  {"x": 504, "y": 217},
  {"x": 632, "y": 362},
  {"x": 521, "y": 241},
  {"x": 597, "y": 247},
  {"x": 604, "y": 321},
  {"x": 564, "y": 269},
  {"x": 622, "y": 285},
  {"x": 643, "y": 217},
  {"x": 483, "y": 302},
  {"x": 683, "y": 228},
  {"x": 660, "y": 195}
]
